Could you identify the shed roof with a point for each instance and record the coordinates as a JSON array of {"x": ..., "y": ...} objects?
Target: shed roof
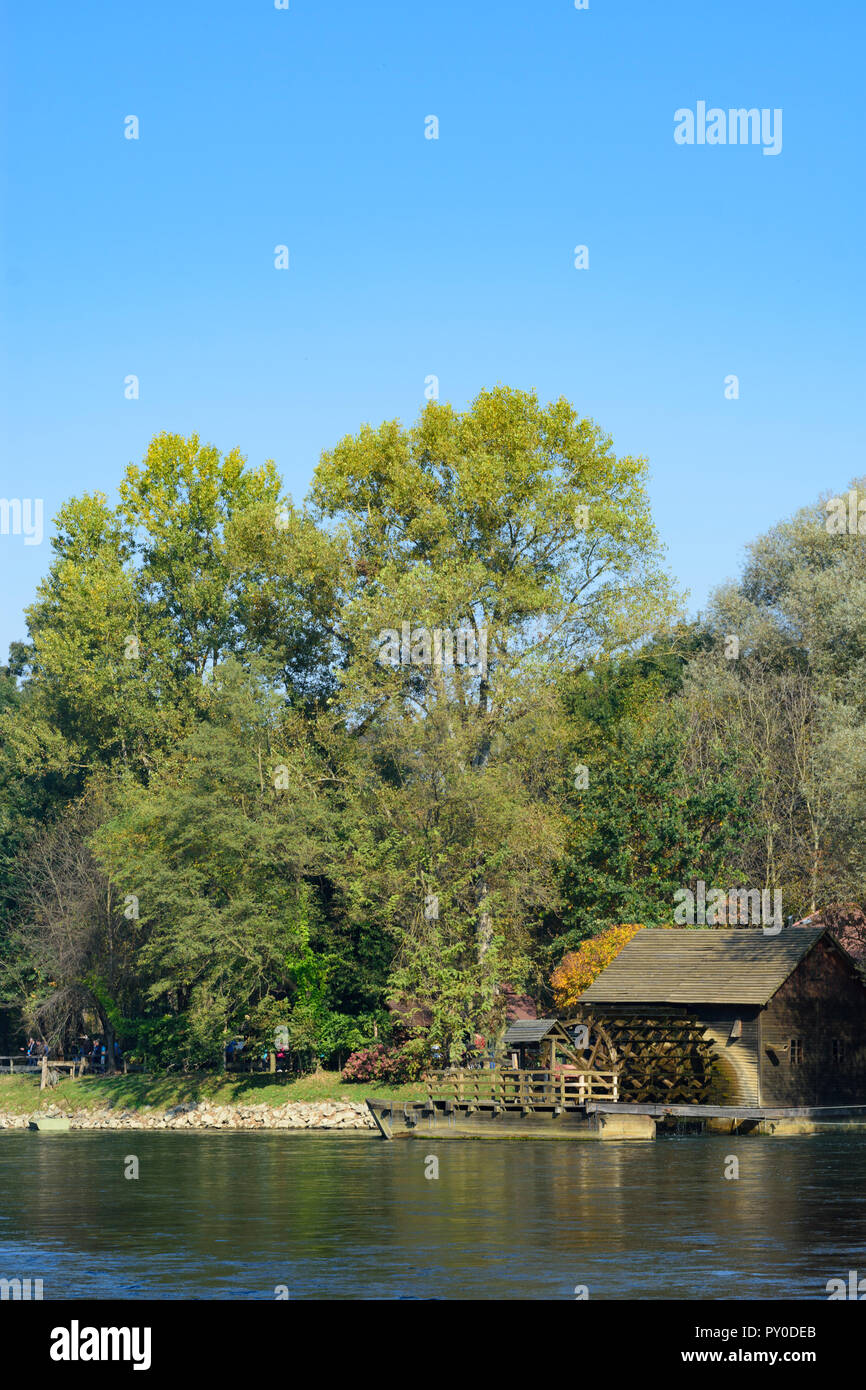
[
  {"x": 529, "y": 1030},
  {"x": 702, "y": 966}
]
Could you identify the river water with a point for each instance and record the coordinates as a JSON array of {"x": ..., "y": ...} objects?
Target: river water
[{"x": 239, "y": 1215}]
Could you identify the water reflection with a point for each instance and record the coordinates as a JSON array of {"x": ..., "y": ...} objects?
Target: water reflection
[{"x": 348, "y": 1216}]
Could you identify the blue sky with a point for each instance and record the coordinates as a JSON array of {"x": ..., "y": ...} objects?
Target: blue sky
[{"x": 454, "y": 257}]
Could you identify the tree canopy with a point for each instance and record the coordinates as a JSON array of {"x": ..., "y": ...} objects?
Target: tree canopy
[{"x": 405, "y": 746}]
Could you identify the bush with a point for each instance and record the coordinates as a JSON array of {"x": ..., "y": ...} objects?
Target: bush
[
  {"x": 407, "y": 1062},
  {"x": 158, "y": 1044}
]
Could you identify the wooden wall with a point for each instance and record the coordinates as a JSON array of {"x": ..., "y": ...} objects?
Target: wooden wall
[
  {"x": 823, "y": 1000},
  {"x": 737, "y": 1069}
]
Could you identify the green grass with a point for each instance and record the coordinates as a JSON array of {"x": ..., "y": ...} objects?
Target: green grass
[{"x": 20, "y": 1094}]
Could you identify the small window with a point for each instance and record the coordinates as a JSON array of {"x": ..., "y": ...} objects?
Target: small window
[
  {"x": 796, "y": 1051},
  {"x": 838, "y": 1051}
]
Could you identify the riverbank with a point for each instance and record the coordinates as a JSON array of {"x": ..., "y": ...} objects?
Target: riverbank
[
  {"x": 195, "y": 1101},
  {"x": 204, "y": 1115}
]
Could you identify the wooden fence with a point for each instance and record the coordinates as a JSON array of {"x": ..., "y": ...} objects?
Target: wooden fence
[
  {"x": 19, "y": 1063},
  {"x": 508, "y": 1086}
]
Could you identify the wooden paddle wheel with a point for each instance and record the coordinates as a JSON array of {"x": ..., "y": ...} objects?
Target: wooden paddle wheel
[{"x": 661, "y": 1058}]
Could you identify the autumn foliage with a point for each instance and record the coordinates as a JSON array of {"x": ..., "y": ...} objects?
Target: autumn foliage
[{"x": 579, "y": 968}]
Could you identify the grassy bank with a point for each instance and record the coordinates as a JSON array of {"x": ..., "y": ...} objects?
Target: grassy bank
[{"x": 20, "y": 1094}]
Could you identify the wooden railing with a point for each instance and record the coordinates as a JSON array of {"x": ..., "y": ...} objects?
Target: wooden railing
[
  {"x": 507, "y": 1086},
  {"x": 19, "y": 1062}
]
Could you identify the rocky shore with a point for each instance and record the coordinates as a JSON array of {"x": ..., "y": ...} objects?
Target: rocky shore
[{"x": 318, "y": 1115}]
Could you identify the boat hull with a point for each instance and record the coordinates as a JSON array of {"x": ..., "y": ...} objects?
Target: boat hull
[{"x": 453, "y": 1121}]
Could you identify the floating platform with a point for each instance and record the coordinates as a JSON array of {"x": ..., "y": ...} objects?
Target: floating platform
[
  {"x": 49, "y": 1125},
  {"x": 445, "y": 1119},
  {"x": 762, "y": 1120},
  {"x": 594, "y": 1120}
]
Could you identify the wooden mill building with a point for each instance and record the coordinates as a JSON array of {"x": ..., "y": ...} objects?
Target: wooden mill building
[{"x": 786, "y": 1014}]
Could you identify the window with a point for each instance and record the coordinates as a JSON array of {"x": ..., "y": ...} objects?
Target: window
[
  {"x": 796, "y": 1051},
  {"x": 838, "y": 1051}
]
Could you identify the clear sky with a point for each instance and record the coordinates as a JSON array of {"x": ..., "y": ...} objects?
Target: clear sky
[{"x": 412, "y": 257}]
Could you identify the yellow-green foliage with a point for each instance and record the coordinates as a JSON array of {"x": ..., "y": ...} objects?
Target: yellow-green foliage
[{"x": 579, "y": 968}]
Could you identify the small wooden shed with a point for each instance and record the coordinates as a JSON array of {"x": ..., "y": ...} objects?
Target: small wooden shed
[
  {"x": 786, "y": 1013},
  {"x": 534, "y": 1043}
]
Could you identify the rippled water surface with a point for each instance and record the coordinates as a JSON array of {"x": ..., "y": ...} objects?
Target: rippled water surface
[{"x": 348, "y": 1216}]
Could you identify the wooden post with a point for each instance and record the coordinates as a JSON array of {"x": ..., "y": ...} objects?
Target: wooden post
[
  {"x": 44, "y": 1080},
  {"x": 272, "y": 1061}
]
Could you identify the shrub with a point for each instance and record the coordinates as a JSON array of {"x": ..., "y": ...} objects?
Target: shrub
[{"x": 380, "y": 1063}]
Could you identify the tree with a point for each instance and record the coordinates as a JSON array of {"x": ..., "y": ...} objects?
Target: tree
[
  {"x": 140, "y": 600},
  {"x": 220, "y": 853},
  {"x": 72, "y": 952},
  {"x": 98, "y": 689},
  {"x": 642, "y": 824},
  {"x": 515, "y": 524},
  {"x": 787, "y": 707},
  {"x": 309, "y": 804},
  {"x": 179, "y": 505},
  {"x": 577, "y": 970}
]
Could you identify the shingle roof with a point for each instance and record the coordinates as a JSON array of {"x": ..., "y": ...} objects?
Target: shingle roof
[
  {"x": 529, "y": 1030},
  {"x": 702, "y": 966}
]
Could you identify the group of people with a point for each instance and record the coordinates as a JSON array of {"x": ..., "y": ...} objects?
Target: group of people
[
  {"x": 255, "y": 1059},
  {"x": 94, "y": 1053}
]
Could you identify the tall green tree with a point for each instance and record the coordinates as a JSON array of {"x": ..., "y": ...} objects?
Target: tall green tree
[
  {"x": 782, "y": 695},
  {"x": 516, "y": 525},
  {"x": 643, "y": 823},
  {"x": 220, "y": 854}
]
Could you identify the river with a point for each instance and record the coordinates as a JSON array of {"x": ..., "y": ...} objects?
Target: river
[{"x": 241, "y": 1215}]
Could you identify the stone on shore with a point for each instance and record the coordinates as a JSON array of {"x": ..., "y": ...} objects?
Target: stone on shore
[{"x": 294, "y": 1115}]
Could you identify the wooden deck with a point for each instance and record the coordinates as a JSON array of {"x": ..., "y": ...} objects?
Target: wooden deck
[{"x": 501, "y": 1102}]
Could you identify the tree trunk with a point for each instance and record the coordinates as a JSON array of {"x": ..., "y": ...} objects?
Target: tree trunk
[
  {"x": 484, "y": 934},
  {"x": 109, "y": 1034}
]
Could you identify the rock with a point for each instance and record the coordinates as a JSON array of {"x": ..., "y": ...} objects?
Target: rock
[
  {"x": 289, "y": 1115},
  {"x": 183, "y": 1109}
]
